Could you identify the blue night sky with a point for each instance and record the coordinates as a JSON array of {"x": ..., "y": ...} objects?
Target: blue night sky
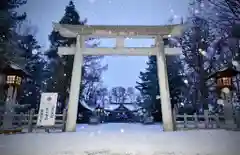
[{"x": 122, "y": 71}]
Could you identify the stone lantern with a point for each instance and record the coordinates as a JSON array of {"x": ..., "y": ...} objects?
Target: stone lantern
[{"x": 224, "y": 87}]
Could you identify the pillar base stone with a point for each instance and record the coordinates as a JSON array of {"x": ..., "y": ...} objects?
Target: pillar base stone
[
  {"x": 73, "y": 129},
  {"x": 168, "y": 127},
  {"x": 230, "y": 125}
]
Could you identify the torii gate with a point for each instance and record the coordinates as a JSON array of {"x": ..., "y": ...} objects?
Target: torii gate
[{"x": 120, "y": 33}]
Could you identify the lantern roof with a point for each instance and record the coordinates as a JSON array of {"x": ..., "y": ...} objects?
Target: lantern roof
[
  {"x": 15, "y": 69},
  {"x": 227, "y": 71}
]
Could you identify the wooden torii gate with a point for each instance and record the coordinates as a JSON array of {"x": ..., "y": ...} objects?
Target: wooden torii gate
[{"x": 81, "y": 33}]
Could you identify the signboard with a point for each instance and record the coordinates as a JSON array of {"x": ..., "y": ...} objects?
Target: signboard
[{"x": 47, "y": 110}]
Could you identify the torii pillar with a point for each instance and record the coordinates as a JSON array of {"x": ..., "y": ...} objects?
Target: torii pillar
[
  {"x": 120, "y": 33},
  {"x": 75, "y": 84},
  {"x": 167, "y": 115}
]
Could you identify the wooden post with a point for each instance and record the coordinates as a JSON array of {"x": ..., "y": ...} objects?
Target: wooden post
[
  {"x": 185, "y": 120},
  {"x": 206, "y": 119},
  {"x": 64, "y": 120},
  {"x": 228, "y": 112},
  {"x": 21, "y": 116},
  {"x": 30, "y": 120},
  {"x": 195, "y": 120},
  {"x": 217, "y": 121},
  {"x": 8, "y": 117},
  {"x": 47, "y": 129},
  {"x": 174, "y": 117},
  {"x": 237, "y": 116}
]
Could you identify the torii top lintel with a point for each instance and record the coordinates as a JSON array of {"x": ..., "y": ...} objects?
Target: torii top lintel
[{"x": 67, "y": 30}]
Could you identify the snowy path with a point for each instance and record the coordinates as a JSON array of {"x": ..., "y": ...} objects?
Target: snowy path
[{"x": 121, "y": 139}]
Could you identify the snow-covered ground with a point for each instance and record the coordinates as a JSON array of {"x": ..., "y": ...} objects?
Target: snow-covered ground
[
  {"x": 122, "y": 139},
  {"x": 119, "y": 128}
]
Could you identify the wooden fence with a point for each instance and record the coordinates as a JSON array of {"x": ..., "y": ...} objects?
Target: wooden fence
[
  {"x": 28, "y": 122},
  {"x": 202, "y": 121}
]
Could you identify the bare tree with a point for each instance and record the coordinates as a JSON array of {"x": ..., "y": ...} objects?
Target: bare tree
[
  {"x": 118, "y": 94},
  {"x": 131, "y": 95},
  {"x": 223, "y": 14}
]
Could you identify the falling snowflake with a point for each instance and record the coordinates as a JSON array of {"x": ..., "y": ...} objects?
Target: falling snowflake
[
  {"x": 92, "y": 1},
  {"x": 196, "y": 11}
]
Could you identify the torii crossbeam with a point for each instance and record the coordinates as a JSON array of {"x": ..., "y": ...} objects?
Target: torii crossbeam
[{"x": 81, "y": 33}]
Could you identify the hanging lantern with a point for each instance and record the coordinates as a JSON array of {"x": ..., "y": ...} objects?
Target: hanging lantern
[
  {"x": 224, "y": 82},
  {"x": 224, "y": 78},
  {"x": 14, "y": 75},
  {"x": 14, "y": 80}
]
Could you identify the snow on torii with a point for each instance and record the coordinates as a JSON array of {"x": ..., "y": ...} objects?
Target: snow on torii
[{"x": 83, "y": 32}]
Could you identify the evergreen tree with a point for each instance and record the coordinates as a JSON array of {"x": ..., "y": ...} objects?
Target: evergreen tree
[
  {"x": 199, "y": 56},
  {"x": 9, "y": 19},
  {"x": 149, "y": 86},
  {"x": 62, "y": 67},
  {"x": 31, "y": 89},
  {"x": 72, "y": 17},
  {"x": 223, "y": 15},
  {"x": 35, "y": 66}
]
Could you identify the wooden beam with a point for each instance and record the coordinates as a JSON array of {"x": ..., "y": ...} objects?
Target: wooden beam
[
  {"x": 139, "y": 51},
  {"x": 66, "y": 51},
  {"x": 121, "y": 51},
  {"x": 173, "y": 51},
  {"x": 67, "y": 30}
]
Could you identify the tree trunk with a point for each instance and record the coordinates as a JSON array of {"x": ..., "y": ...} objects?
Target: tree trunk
[{"x": 203, "y": 89}]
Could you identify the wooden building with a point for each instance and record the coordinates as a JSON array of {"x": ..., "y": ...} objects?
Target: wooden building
[
  {"x": 121, "y": 112},
  {"x": 11, "y": 77}
]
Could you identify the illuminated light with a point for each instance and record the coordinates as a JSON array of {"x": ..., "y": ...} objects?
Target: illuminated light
[
  {"x": 14, "y": 79},
  {"x": 203, "y": 52},
  {"x": 235, "y": 63},
  {"x": 220, "y": 102},
  {"x": 196, "y": 11},
  {"x": 34, "y": 51},
  {"x": 226, "y": 90},
  {"x": 122, "y": 130}
]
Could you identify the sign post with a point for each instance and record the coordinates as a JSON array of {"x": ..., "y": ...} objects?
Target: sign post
[{"x": 47, "y": 110}]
